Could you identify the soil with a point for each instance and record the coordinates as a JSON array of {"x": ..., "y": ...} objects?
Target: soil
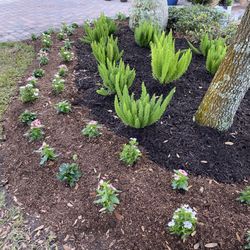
[{"x": 147, "y": 201}]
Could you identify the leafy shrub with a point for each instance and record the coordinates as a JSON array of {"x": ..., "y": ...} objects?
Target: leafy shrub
[
  {"x": 47, "y": 153},
  {"x": 167, "y": 65},
  {"x": 184, "y": 222},
  {"x": 142, "y": 112},
  {"x": 66, "y": 55},
  {"x": 145, "y": 32},
  {"x": 36, "y": 131},
  {"x": 114, "y": 76},
  {"x": 58, "y": 84},
  {"x": 70, "y": 173},
  {"x": 245, "y": 196},
  {"x": 107, "y": 196},
  {"x": 38, "y": 73},
  {"x": 180, "y": 180},
  {"x": 28, "y": 93},
  {"x": 46, "y": 41},
  {"x": 43, "y": 57},
  {"x": 63, "y": 70},
  {"x": 63, "y": 107},
  {"x": 106, "y": 49},
  {"x": 27, "y": 117},
  {"x": 130, "y": 152},
  {"x": 102, "y": 28},
  {"x": 92, "y": 130}
]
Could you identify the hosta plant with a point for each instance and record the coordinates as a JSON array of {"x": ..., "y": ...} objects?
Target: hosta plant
[
  {"x": 63, "y": 70},
  {"x": 245, "y": 196},
  {"x": 102, "y": 28},
  {"x": 115, "y": 76},
  {"x": 46, "y": 41},
  {"x": 27, "y": 117},
  {"x": 180, "y": 180},
  {"x": 47, "y": 154},
  {"x": 92, "y": 129},
  {"x": 32, "y": 80},
  {"x": 69, "y": 173},
  {"x": 183, "y": 222},
  {"x": 107, "y": 196},
  {"x": 28, "y": 93},
  {"x": 130, "y": 152},
  {"x": 106, "y": 49},
  {"x": 142, "y": 112},
  {"x": 167, "y": 64},
  {"x": 35, "y": 132},
  {"x": 38, "y": 73},
  {"x": 145, "y": 32},
  {"x": 66, "y": 55},
  {"x": 58, "y": 84},
  {"x": 43, "y": 57},
  {"x": 63, "y": 107}
]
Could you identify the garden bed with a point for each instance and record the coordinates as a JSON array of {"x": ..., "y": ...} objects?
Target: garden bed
[{"x": 147, "y": 201}]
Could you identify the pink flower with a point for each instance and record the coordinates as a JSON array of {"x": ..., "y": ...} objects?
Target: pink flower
[
  {"x": 36, "y": 124},
  {"x": 183, "y": 172},
  {"x": 92, "y": 123}
]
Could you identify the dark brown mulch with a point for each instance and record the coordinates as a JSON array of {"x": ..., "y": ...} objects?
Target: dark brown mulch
[
  {"x": 147, "y": 201},
  {"x": 175, "y": 141}
]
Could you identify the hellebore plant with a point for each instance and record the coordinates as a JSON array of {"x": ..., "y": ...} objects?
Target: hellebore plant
[
  {"x": 27, "y": 117},
  {"x": 180, "y": 180},
  {"x": 92, "y": 129},
  {"x": 63, "y": 70},
  {"x": 28, "y": 93},
  {"x": 47, "y": 154},
  {"x": 36, "y": 131}
]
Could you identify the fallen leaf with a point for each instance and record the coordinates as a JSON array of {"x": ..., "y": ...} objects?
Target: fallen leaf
[
  {"x": 118, "y": 216},
  {"x": 211, "y": 245},
  {"x": 238, "y": 237},
  {"x": 69, "y": 204},
  {"x": 202, "y": 189},
  {"x": 205, "y": 162},
  {"x": 229, "y": 143},
  {"x": 39, "y": 228},
  {"x": 196, "y": 246}
]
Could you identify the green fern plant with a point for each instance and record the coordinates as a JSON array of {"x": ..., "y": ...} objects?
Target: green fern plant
[
  {"x": 215, "y": 56},
  {"x": 145, "y": 32},
  {"x": 142, "y": 112},
  {"x": 102, "y": 28},
  {"x": 168, "y": 65},
  {"x": 115, "y": 76},
  {"x": 106, "y": 49}
]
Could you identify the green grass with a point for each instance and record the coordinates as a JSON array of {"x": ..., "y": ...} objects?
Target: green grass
[{"x": 14, "y": 61}]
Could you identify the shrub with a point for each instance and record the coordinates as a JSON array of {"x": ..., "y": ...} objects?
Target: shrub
[
  {"x": 28, "y": 93},
  {"x": 92, "y": 130},
  {"x": 145, "y": 32},
  {"x": 102, "y": 28},
  {"x": 36, "y": 131},
  {"x": 245, "y": 196},
  {"x": 27, "y": 117},
  {"x": 106, "y": 50},
  {"x": 43, "y": 57},
  {"x": 47, "y": 153},
  {"x": 184, "y": 222},
  {"x": 63, "y": 107},
  {"x": 38, "y": 73},
  {"x": 32, "y": 80},
  {"x": 70, "y": 173},
  {"x": 66, "y": 55},
  {"x": 180, "y": 180},
  {"x": 130, "y": 152},
  {"x": 107, "y": 196},
  {"x": 46, "y": 41},
  {"x": 63, "y": 70},
  {"x": 167, "y": 65},
  {"x": 115, "y": 76},
  {"x": 58, "y": 84},
  {"x": 142, "y": 112}
]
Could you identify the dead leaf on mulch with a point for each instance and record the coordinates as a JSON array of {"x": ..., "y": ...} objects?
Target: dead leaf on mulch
[
  {"x": 118, "y": 216},
  {"x": 211, "y": 245},
  {"x": 229, "y": 143}
]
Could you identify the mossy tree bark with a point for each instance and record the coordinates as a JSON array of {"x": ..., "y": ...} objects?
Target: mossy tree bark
[{"x": 230, "y": 83}]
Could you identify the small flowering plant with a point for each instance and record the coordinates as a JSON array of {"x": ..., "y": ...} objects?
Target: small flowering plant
[
  {"x": 107, "y": 196},
  {"x": 245, "y": 196},
  {"x": 66, "y": 55},
  {"x": 67, "y": 29},
  {"x": 47, "y": 154},
  {"x": 67, "y": 44},
  {"x": 36, "y": 131},
  {"x": 63, "y": 70},
  {"x": 28, "y": 93},
  {"x": 92, "y": 129},
  {"x": 183, "y": 222},
  {"x": 43, "y": 57},
  {"x": 27, "y": 117},
  {"x": 130, "y": 152},
  {"x": 32, "y": 80},
  {"x": 58, "y": 84},
  {"x": 63, "y": 107},
  {"x": 38, "y": 73},
  {"x": 70, "y": 173},
  {"x": 180, "y": 180},
  {"x": 61, "y": 36},
  {"x": 46, "y": 41}
]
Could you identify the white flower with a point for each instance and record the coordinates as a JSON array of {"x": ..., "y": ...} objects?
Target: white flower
[
  {"x": 171, "y": 223},
  {"x": 187, "y": 224}
]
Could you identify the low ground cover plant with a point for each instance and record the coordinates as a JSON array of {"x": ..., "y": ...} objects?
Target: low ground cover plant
[
  {"x": 63, "y": 107},
  {"x": 35, "y": 132},
  {"x": 58, "y": 84},
  {"x": 38, "y": 73},
  {"x": 107, "y": 196},
  {"x": 69, "y": 173},
  {"x": 27, "y": 117},
  {"x": 92, "y": 129},
  {"x": 183, "y": 222},
  {"x": 245, "y": 196},
  {"x": 130, "y": 152},
  {"x": 115, "y": 76},
  {"x": 43, "y": 57},
  {"x": 28, "y": 93},
  {"x": 142, "y": 112},
  {"x": 106, "y": 49},
  {"x": 63, "y": 70},
  {"x": 180, "y": 180},
  {"x": 46, "y": 41},
  {"x": 61, "y": 36},
  {"x": 168, "y": 65},
  {"x": 47, "y": 154},
  {"x": 66, "y": 55},
  {"x": 67, "y": 44}
]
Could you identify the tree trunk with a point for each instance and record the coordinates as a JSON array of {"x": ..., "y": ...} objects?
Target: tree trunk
[{"x": 230, "y": 83}]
